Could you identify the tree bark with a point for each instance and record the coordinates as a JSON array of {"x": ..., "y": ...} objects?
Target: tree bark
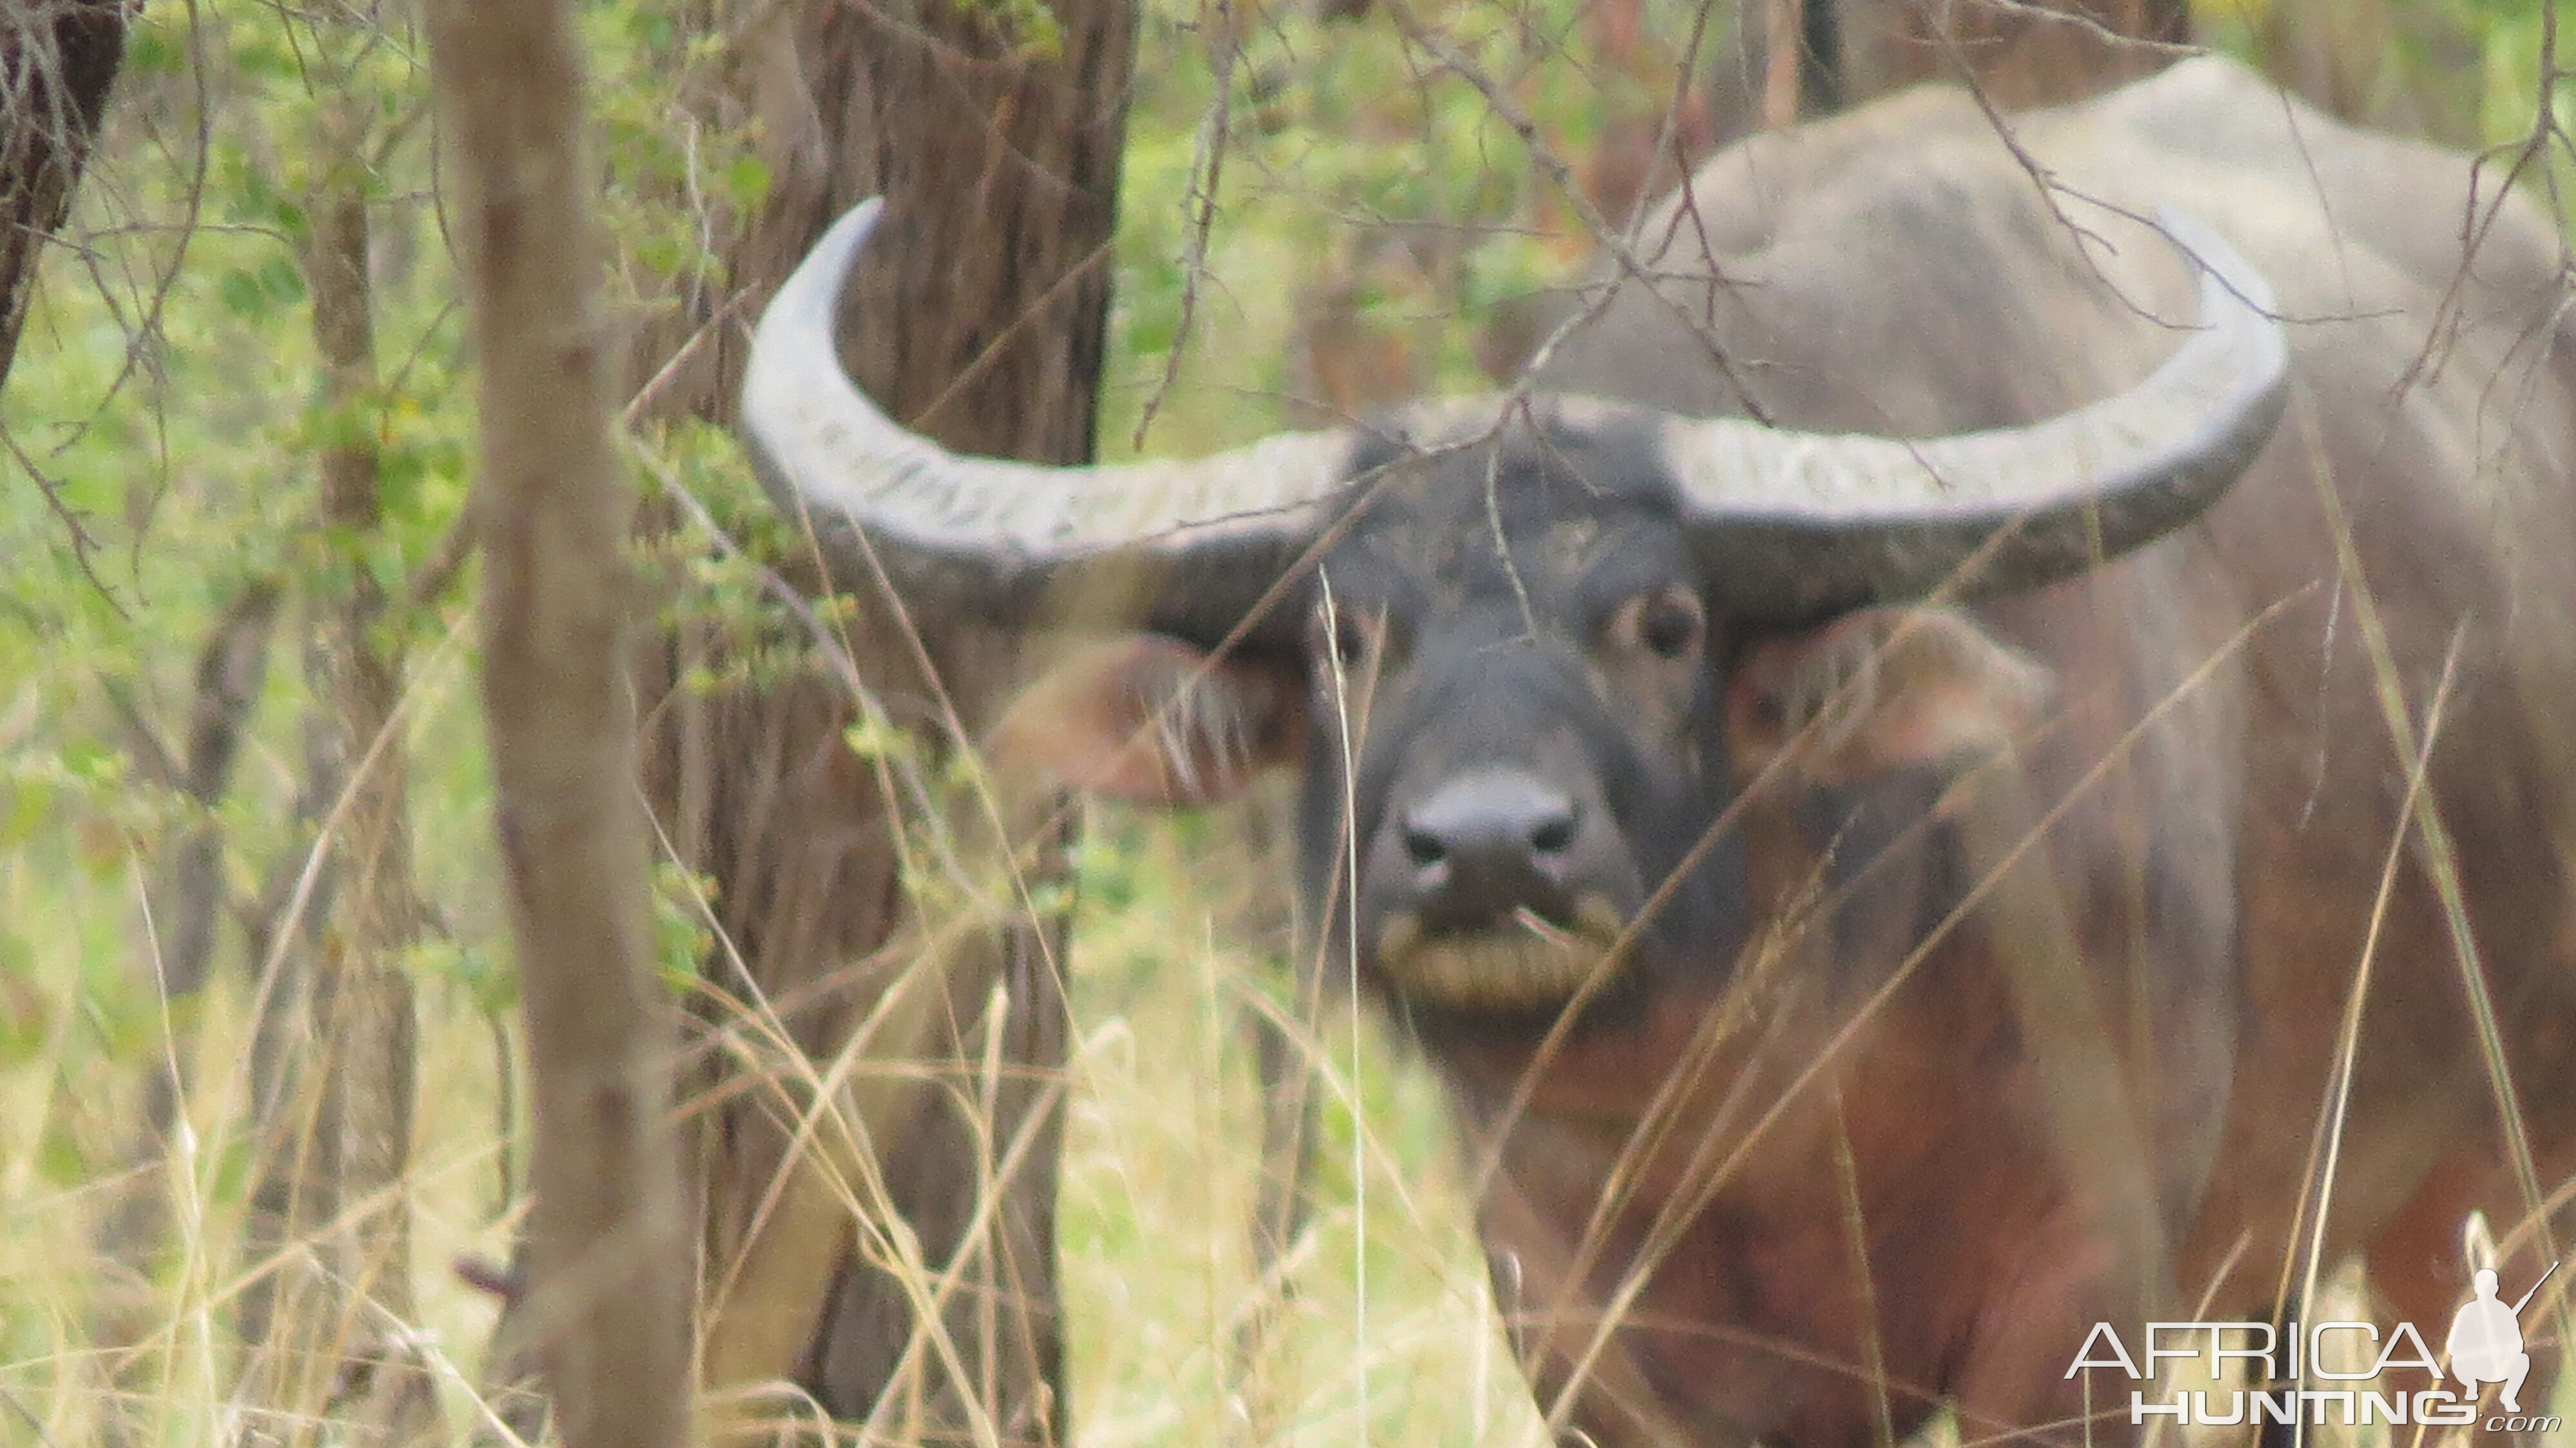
[
  {"x": 371, "y": 1033},
  {"x": 607, "y": 1294},
  {"x": 987, "y": 321},
  {"x": 184, "y": 906},
  {"x": 295, "y": 1158},
  {"x": 186, "y": 899},
  {"x": 985, "y": 309},
  {"x": 58, "y": 60}
]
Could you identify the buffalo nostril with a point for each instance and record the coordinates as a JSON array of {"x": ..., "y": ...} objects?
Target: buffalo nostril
[
  {"x": 1488, "y": 842},
  {"x": 1553, "y": 836}
]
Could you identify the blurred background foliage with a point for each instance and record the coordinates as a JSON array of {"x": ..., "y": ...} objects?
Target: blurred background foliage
[{"x": 1317, "y": 217}]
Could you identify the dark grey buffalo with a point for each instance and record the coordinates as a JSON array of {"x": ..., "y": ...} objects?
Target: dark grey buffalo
[{"x": 1966, "y": 762}]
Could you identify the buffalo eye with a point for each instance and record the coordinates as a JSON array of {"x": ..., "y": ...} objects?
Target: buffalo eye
[{"x": 1667, "y": 622}]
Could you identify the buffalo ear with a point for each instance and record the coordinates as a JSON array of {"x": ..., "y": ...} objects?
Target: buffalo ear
[
  {"x": 1881, "y": 689},
  {"x": 1149, "y": 720}
]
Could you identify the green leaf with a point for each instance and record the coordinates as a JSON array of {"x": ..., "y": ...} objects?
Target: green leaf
[
  {"x": 242, "y": 294},
  {"x": 26, "y": 800},
  {"x": 280, "y": 280},
  {"x": 149, "y": 50},
  {"x": 874, "y": 739},
  {"x": 747, "y": 181}
]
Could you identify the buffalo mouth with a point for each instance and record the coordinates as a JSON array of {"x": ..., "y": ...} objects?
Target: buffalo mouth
[{"x": 1524, "y": 962}]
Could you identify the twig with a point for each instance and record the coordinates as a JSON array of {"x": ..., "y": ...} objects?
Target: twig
[
  {"x": 34, "y": 1424},
  {"x": 1561, "y": 175},
  {"x": 437, "y": 573},
  {"x": 1206, "y": 171}
]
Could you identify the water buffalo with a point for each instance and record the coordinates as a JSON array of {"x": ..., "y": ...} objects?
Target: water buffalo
[{"x": 1965, "y": 762}]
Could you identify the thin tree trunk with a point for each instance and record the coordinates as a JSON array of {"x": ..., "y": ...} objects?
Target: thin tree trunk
[
  {"x": 186, "y": 899},
  {"x": 58, "y": 60},
  {"x": 371, "y": 1033},
  {"x": 608, "y": 1282},
  {"x": 295, "y": 1157},
  {"x": 184, "y": 906}
]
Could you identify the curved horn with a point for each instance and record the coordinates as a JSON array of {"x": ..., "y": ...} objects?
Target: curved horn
[
  {"x": 990, "y": 537},
  {"x": 1796, "y": 526}
]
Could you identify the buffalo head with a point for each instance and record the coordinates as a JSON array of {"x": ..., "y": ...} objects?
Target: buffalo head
[{"x": 1526, "y": 645}]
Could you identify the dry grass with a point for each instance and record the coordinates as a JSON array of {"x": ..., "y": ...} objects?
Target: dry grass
[
  {"x": 1389, "y": 1292},
  {"x": 1384, "y": 1331},
  {"x": 1387, "y": 1338}
]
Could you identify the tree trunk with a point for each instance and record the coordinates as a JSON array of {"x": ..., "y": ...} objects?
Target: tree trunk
[
  {"x": 295, "y": 1158},
  {"x": 607, "y": 1294},
  {"x": 371, "y": 1034},
  {"x": 183, "y": 908},
  {"x": 985, "y": 306},
  {"x": 186, "y": 899},
  {"x": 57, "y": 62},
  {"x": 987, "y": 321}
]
